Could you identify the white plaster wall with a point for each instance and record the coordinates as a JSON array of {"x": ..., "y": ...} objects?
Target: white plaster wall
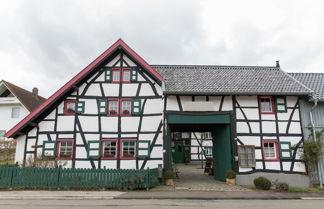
[
  {"x": 153, "y": 106},
  {"x": 268, "y": 127},
  {"x": 130, "y": 124},
  {"x": 151, "y": 123},
  {"x": 109, "y": 124},
  {"x": 65, "y": 123},
  {"x": 93, "y": 90},
  {"x": 89, "y": 123},
  {"x": 113, "y": 61},
  {"x": 172, "y": 103},
  {"x": 111, "y": 89},
  {"x": 130, "y": 89},
  {"x": 250, "y": 140},
  {"x": 272, "y": 165},
  {"x": 249, "y": 101},
  {"x": 228, "y": 104},
  {"x": 46, "y": 126},
  {"x": 20, "y": 147},
  {"x": 127, "y": 164},
  {"x": 146, "y": 90}
]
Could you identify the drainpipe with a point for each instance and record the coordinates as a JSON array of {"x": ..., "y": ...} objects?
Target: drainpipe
[{"x": 314, "y": 136}]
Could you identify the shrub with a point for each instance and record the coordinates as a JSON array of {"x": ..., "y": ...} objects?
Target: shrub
[
  {"x": 168, "y": 174},
  {"x": 230, "y": 174},
  {"x": 262, "y": 183},
  {"x": 282, "y": 186}
]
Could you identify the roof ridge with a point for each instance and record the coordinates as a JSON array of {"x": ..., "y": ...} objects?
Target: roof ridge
[{"x": 229, "y": 66}]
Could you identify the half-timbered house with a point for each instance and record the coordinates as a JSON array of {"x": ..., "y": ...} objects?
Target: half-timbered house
[{"x": 121, "y": 112}]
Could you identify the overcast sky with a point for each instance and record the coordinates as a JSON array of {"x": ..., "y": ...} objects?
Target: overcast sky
[{"x": 45, "y": 43}]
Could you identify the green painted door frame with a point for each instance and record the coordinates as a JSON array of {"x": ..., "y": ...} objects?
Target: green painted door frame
[
  {"x": 222, "y": 151},
  {"x": 220, "y": 126}
]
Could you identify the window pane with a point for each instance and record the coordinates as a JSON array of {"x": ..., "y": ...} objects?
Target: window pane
[
  {"x": 269, "y": 150},
  {"x": 70, "y": 107},
  {"x": 128, "y": 149},
  {"x": 126, "y": 107},
  {"x": 126, "y": 75},
  {"x": 266, "y": 105},
  {"x": 109, "y": 148},
  {"x": 15, "y": 111},
  {"x": 65, "y": 149},
  {"x": 113, "y": 107},
  {"x": 116, "y": 75}
]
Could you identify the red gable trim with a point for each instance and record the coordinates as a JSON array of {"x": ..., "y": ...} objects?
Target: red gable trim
[{"x": 79, "y": 76}]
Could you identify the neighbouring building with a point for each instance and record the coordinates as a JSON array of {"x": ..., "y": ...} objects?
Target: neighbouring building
[
  {"x": 15, "y": 104},
  {"x": 312, "y": 116},
  {"x": 121, "y": 112}
]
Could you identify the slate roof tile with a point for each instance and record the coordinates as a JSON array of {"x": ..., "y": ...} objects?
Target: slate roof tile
[
  {"x": 314, "y": 81},
  {"x": 216, "y": 79}
]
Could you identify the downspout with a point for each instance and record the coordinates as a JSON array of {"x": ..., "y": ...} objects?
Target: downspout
[{"x": 314, "y": 136}]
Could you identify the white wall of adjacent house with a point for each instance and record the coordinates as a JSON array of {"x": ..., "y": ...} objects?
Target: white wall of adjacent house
[{"x": 11, "y": 112}]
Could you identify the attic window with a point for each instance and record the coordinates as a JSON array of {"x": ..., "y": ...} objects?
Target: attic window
[
  {"x": 266, "y": 105},
  {"x": 123, "y": 75}
]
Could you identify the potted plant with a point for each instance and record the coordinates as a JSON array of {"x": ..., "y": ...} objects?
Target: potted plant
[
  {"x": 168, "y": 176},
  {"x": 230, "y": 177}
]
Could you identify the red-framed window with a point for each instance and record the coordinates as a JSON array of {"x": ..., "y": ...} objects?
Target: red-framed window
[
  {"x": 266, "y": 105},
  {"x": 128, "y": 149},
  {"x": 113, "y": 107},
  {"x": 270, "y": 150},
  {"x": 65, "y": 149},
  {"x": 69, "y": 107},
  {"x": 109, "y": 149},
  {"x": 121, "y": 75},
  {"x": 125, "y": 107}
]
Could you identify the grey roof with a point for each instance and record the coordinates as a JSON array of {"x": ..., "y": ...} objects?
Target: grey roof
[
  {"x": 214, "y": 79},
  {"x": 314, "y": 81}
]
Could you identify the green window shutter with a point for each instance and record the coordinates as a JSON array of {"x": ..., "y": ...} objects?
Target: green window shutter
[
  {"x": 107, "y": 74},
  {"x": 102, "y": 106},
  {"x": 49, "y": 149},
  {"x": 134, "y": 74},
  {"x": 280, "y": 104},
  {"x": 136, "y": 107},
  {"x": 94, "y": 149},
  {"x": 79, "y": 107},
  {"x": 143, "y": 148},
  {"x": 285, "y": 150}
]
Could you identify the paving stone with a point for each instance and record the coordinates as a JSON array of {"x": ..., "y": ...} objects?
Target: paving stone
[{"x": 192, "y": 177}]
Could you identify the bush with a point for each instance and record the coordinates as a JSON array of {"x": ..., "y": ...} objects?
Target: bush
[
  {"x": 230, "y": 174},
  {"x": 282, "y": 186},
  {"x": 168, "y": 174},
  {"x": 262, "y": 183}
]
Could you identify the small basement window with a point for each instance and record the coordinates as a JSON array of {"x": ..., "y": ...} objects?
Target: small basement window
[
  {"x": 65, "y": 149},
  {"x": 266, "y": 105},
  {"x": 270, "y": 150}
]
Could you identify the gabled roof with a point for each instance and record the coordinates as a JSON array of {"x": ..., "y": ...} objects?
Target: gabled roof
[
  {"x": 118, "y": 45},
  {"x": 215, "y": 79},
  {"x": 314, "y": 81},
  {"x": 27, "y": 98}
]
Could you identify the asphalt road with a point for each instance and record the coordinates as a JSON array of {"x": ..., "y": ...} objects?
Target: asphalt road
[{"x": 156, "y": 204}]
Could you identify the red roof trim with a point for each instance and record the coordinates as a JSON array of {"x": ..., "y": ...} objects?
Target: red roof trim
[{"x": 80, "y": 75}]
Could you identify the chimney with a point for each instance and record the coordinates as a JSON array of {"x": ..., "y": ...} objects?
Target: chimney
[
  {"x": 277, "y": 63},
  {"x": 35, "y": 91}
]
